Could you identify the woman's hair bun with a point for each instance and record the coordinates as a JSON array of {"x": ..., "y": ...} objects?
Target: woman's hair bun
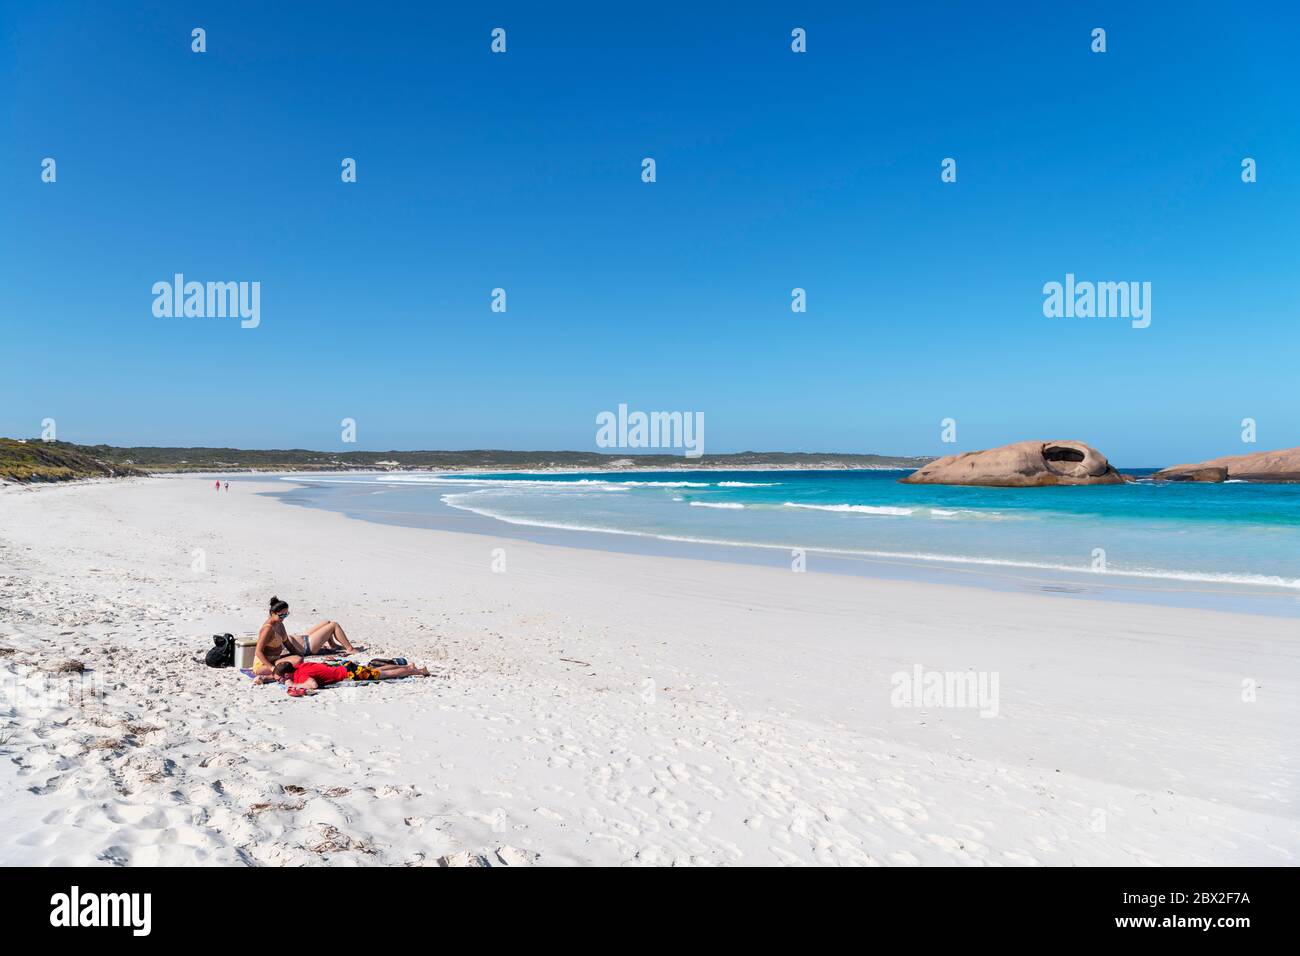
[{"x": 274, "y": 600}]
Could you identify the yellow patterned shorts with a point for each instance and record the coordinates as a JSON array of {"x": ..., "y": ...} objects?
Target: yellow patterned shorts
[{"x": 360, "y": 672}]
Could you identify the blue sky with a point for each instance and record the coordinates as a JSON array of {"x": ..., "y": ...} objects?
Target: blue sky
[{"x": 775, "y": 170}]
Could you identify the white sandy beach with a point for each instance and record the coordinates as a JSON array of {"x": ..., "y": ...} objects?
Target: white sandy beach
[{"x": 593, "y": 707}]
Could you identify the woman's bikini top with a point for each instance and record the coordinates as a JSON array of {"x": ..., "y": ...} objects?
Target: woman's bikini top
[{"x": 274, "y": 643}]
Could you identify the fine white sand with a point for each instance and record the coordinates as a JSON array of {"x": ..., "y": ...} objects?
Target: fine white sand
[{"x": 602, "y": 708}]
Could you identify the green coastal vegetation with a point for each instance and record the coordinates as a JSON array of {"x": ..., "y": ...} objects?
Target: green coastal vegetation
[{"x": 37, "y": 460}]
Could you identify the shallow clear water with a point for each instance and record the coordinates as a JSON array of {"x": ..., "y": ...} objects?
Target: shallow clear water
[{"x": 1238, "y": 532}]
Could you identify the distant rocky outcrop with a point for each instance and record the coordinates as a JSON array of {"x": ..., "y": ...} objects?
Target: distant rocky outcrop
[
  {"x": 1273, "y": 466},
  {"x": 1209, "y": 474},
  {"x": 1022, "y": 464}
]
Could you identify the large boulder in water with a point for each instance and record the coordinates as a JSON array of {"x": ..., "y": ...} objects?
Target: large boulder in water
[
  {"x": 1208, "y": 474},
  {"x": 1022, "y": 464},
  {"x": 1280, "y": 466}
]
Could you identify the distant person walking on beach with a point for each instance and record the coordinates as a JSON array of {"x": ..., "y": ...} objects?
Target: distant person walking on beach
[
  {"x": 218, "y": 486},
  {"x": 274, "y": 642},
  {"x": 227, "y": 486}
]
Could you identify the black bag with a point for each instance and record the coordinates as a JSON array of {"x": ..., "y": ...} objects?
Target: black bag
[{"x": 223, "y": 653}]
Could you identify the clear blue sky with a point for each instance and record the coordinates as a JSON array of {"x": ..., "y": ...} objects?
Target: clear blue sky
[{"x": 775, "y": 170}]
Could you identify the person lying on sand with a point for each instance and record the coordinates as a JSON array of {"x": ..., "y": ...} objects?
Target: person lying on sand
[
  {"x": 309, "y": 677},
  {"x": 274, "y": 641}
]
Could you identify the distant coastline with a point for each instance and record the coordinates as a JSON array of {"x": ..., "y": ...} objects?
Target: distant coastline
[{"x": 40, "y": 461}]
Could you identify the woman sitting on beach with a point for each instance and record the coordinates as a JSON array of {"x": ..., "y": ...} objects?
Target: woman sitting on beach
[{"x": 274, "y": 642}]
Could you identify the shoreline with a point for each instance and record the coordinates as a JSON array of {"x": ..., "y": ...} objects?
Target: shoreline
[
  {"x": 1171, "y": 588},
  {"x": 599, "y": 707},
  {"x": 562, "y": 470}
]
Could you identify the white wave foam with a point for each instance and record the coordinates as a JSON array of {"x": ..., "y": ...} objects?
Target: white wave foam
[
  {"x": 496, "y": 482},
  {"x": 898, "y": 510},
  {"x": 558, "y": 483},
  {"x": 1191, "y": 577},
  {"x": 964, "y": 513},
  {"x": 729, "y": 505},
  {"x": 857, "y": 509},
  {"x": 665, "y": 484}
]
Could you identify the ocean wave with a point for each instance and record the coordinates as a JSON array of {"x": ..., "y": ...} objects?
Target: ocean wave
[
  {"x": 857, "y": 509},
  {"x": 1084, "y": 571},
  {"x": 729, "y": 505},
  {"x": 661, "y": 484},
  {"x": 556, "y": 483},
  {"x": 965, "y": 513},
  {"x": 901, "y": 511},
  {"x": 496, "y": 482},
  {"x": 317, "y": 479}
]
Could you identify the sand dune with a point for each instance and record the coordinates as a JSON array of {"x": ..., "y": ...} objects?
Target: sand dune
[{"x": 601, "y": 708}]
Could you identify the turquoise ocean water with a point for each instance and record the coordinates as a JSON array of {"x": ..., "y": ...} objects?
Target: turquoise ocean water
[{"x": 1239, "y": 533}]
